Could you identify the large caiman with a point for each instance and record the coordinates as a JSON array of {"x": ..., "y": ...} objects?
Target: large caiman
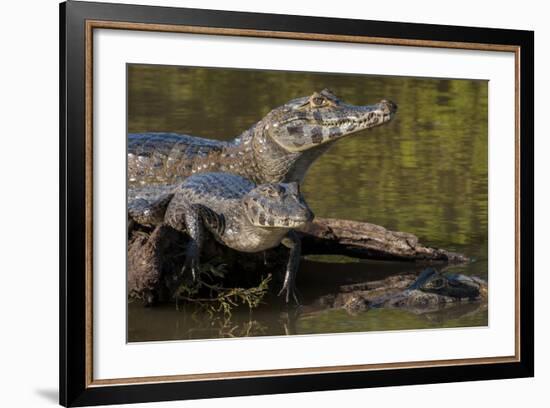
[{"x": 278, "y": 149}]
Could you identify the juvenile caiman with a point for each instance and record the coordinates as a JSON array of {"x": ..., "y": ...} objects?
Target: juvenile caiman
[
  {"x": 278, "y": 149},
  {"x": 431, "y": 289},
  {"x": 239, "y": 215}
]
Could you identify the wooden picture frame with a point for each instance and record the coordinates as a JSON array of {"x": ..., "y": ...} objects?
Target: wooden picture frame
[{"x": 78, "y": 20}]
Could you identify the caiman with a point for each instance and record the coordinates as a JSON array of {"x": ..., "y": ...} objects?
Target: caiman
[
  {"x": 239, "y": 215},
  {"x": 278, "y": 149},
  {"x": 431, "y": 289}
]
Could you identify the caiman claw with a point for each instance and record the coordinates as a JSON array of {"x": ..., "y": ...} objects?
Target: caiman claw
[
  {"x": 289, "y": 290},
  {"x": 191, "y": 266},
  {"x": 189, "y": 270}
]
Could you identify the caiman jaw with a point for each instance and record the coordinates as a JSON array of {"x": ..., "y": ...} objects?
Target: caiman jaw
[
  {"x": 305, "y": 126},
  {"x": 362, "y": 119}
]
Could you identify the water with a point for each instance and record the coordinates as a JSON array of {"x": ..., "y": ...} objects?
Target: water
[{"x": 424, "y": 173}]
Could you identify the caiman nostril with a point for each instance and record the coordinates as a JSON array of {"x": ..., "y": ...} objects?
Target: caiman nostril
[{"x": 392, "y": 106}]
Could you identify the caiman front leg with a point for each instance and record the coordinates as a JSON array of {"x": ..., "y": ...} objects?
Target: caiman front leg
[
  {"x": 195, "y": 229},
  {"x": 293, "y": 242},
  {"x": 186, "y": 217}
]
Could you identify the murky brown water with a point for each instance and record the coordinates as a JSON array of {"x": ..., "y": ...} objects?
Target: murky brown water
[{"x": 425, "y": 173}]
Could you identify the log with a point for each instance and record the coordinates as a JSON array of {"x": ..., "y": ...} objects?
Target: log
[{"x": 369, "y": 241}]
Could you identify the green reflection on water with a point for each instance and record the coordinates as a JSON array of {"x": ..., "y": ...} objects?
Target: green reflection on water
[
  {"x": 339, "y": 321},
  {"x": 424, "y": 173}
]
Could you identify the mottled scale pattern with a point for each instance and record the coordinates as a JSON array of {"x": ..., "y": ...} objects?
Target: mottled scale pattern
[
  {"x": 166, "y": 158},
  {"x": 149, "y": 192},
  {"x": 220, "y": 192},
  {"x": 216, "y": 187}
]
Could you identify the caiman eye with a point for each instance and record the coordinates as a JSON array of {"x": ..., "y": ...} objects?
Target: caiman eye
[{"x": 318, "y": 101}]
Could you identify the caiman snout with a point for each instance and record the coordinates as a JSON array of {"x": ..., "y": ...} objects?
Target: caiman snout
[
  {"x": 301, "y": 216},
  {"x": 389, "y": 105}
]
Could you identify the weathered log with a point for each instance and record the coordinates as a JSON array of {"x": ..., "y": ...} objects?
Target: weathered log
[{"x": 369, "y": 241}]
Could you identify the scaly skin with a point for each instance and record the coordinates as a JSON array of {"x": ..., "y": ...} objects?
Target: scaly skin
[
  {"x": 239, "y": 214},
  {"x": 278, "y": 149}
]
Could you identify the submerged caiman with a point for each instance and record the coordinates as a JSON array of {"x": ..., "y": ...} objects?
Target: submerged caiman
[
  {"x": 236, "y": 212},
  {"x": 429, "y": 290},
  {"x": 278, "y": 149}
]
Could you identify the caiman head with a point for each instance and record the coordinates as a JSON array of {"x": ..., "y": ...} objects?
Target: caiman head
[
  {"x": 308, "y": 122},
  {"x": 277, "y": 205},
  {"x": 288, "y": 140},
  {"x": 452, "y": 285}
]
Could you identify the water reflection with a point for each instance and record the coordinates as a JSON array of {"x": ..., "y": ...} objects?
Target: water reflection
[
  {"x": 316, "y": 280},
  {"x": 425, "y": 173}
]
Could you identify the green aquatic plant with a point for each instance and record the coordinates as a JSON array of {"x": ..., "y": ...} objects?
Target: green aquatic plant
[{"x": 210, "y": 295}]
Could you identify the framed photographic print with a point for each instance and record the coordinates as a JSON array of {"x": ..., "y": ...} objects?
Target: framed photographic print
[{"x": 255, "y": 203}]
